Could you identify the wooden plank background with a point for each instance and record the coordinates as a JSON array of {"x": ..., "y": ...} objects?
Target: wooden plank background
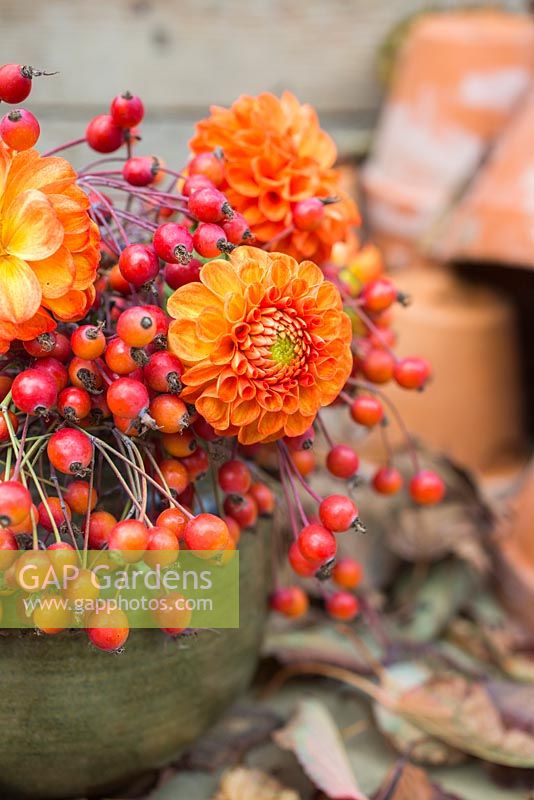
[{"x": 182, "y": 55}]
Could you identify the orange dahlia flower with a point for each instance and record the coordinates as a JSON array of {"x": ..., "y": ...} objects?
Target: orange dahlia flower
[
  {"x": 265, "y": 341},
  {"x": 49, "y": 246},
  {"x": 275, "y": 155}
]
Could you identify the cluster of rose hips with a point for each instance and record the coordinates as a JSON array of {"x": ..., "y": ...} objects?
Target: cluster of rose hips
[
  {"x": 83, "y": 389},
  {"x": 96, "y": 405},
  {"x": 313, "y": 551}
]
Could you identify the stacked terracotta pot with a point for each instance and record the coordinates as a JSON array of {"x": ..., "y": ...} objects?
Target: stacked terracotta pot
[{"x": 452, "y": 175}]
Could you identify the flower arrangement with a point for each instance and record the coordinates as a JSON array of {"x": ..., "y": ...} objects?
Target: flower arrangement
[{"x": 152, "y": 319}]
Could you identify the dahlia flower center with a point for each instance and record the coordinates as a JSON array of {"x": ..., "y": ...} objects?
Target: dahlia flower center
[
  {"x": 283, "y": 350},
  {"x": 277, "y": 343}
]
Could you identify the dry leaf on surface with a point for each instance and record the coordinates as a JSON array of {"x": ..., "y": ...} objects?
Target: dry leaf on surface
[
  {"x": 316, "y": 742},
  {"x": 411, "y": 783},
  {"x": 252, "y": 784},
  {"x": 467, "y": 716},
  {"x": 318, "y": 643},
  {"x": 406, "y": 738}
]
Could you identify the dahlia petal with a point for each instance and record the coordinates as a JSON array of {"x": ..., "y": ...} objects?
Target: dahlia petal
[
  {"x": 70, "y": 213},
  {"x": 85, "y": 267},
  {"x": 20, "y": 290},
  {"x": 326, "y": 369},
  {"x": 184, "y": 342},
  {"x": 268, "y": 173},
  {"x": 273, "y": 206},
  {"x": 241, "y": 179},
  {"x": 270, "y": 400},
  {"x": 252, "y": 214},
  {"x": 41, "y": 322},
  {"x": 310, "y": 273},
  {"x": 270, "y": 112},
  {"x": 213, "y": 410},
  {"x": 244, "y": 412},
  {"x": 31, "y": 229},
  {"x": 30, "y": 171},
  {"x": 227, "y": 383},
  {"x": 328, "y": 297},
  {"x": 309, "y": 400},
  {"x": 270, "y": 423},
  {"x": 56, "y": 273},
  {"x": 245, "y": 254},
  {"x": 234, "y": 308},
  {"x": 220, "y": 278},
  {"x": 189, "y": 301},
  {"x": 300, "y": 186},
  {"x": 251, "y": 272},
  {"x": 70, "y": 306},
  {"x": 306, "y": 242},
  {"x": 330, "y": 324},
  {"x": 321, "y": 147},
  {"x": 211, "y": 324},
  {"x": 296, "y": 424},
  {"x": 249, "y": 434},
  {"x": 283, "y": 269},
  {"x": 291, "y": 403},
  {"x": 200, "y": 374},
  {"x": 225, "y": 352},
  {"x": 5, "y": 162},
  {"x": 245, "y": 388}
]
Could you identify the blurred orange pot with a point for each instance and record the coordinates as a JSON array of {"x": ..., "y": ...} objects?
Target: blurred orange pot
[
  {"x": 471, "y": 410},
  {"x": 494, "y": 221},
  {"x": 457, "y": 80}
]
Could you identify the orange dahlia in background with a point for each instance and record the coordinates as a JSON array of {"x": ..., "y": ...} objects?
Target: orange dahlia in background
[
  {"x": 265, "y": 341},
  {"x": 275, "y": 155},
  {"x": 49, "y": 247}
]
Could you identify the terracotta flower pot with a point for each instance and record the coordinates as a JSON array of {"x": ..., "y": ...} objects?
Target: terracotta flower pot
[
  {"x": 79, "y": 722},
  {"x": 458, "y": 78},
  {"x": 471, "y": 410},
  {"x": 493, "y": 222}
]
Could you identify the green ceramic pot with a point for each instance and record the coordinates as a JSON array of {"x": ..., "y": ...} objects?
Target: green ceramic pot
[{"x": 78, "y": 722}]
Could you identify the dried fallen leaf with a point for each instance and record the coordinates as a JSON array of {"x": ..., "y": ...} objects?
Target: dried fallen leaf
[
  {"x": 467, "y": 716},
  {"x": 406, "y": 738},
  {"x": 315, "y": 739},
  {"x": 252, "y": 784},
  {"x": 509, "y": 644},
  {"x": 318, "y": 643},
  {"x": 407, "y": 782},
  {"x": 229, "y": 740},
  {"x": 447, "y": 588}
]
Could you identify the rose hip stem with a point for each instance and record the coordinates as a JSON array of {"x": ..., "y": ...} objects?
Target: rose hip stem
[
  {"x": 370, "y": 387},
  {"x": 371, "y": 325},
  {"x": 285, "y": 454},
  {"x": 168, "y": 497},
  {"x": 111, "y": 210},
  {"x": 93, "y": 164},
  {"x": 65, "y": 146},
  {"x": 289, "y": 504},
  {"x": 59, "y": 490},
  {"x": 293, "y": 486},
  {"x": 88, "y": 511},
  {"x": 324, "y": 431},
  {"x": 135, "y": 501}
]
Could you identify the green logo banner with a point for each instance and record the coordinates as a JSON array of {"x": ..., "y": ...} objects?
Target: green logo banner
[{"x": 159, "y": 589}]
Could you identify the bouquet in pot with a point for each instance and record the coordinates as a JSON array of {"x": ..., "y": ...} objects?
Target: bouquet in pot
[{"x": 161, "y": 328}]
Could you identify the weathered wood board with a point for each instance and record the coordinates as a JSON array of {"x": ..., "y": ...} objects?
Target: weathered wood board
[{"x": 182, "y": 55}]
